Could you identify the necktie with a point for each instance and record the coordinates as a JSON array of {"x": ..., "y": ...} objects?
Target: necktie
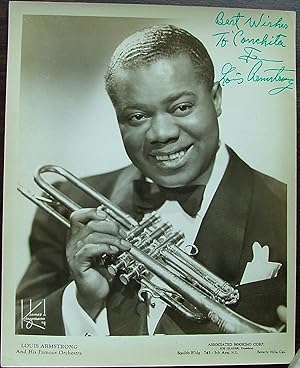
[{"x": 149, "y": 197}]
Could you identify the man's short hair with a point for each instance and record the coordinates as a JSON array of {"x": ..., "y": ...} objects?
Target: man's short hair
[{"x": 156, "y": 43}]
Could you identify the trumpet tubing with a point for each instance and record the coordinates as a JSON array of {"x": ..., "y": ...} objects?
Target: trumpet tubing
[{"x": 191, "y": 288}]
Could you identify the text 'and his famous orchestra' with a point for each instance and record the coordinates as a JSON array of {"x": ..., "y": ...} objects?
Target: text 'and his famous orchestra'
[{"x": 49, "y": 349}]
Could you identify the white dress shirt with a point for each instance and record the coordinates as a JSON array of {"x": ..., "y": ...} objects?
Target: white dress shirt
[{"x": 78, "y": 323}]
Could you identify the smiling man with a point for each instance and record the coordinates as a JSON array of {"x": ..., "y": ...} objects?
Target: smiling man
[
  {"x": 172, "y": 134},
  {"x": 161, "y": 83}
]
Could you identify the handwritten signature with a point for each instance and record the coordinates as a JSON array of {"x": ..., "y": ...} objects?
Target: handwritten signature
[
  {"x": 261, "y": 71},
  {"x": 229, "y": 74},
  {"x": 250, "y": 54},
  {"x": 272, "y": 75},
  {"x": 238, "y": 20},
  {"x": 241, "y": 38}
]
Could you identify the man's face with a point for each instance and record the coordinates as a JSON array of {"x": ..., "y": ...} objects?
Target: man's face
[{"x": 168, "y": 120}]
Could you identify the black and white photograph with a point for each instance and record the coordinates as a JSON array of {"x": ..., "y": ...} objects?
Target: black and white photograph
[{"x": 150, "y": 169}]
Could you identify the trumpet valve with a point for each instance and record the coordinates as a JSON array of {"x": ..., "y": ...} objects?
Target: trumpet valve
[
  {"x": 114, "y": 268},
  {"x": 126, "y": 277},
  {"x": 159, "y": 232},
  {"x": 138, "y": 230},
  {"x": 135, "y": 273}
]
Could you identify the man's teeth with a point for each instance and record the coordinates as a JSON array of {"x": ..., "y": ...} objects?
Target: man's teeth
[{"x": 172, "y": 156}]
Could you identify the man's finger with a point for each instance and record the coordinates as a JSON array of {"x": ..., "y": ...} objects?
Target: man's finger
[
  {"x": 85, "y": 254},
  {"x": 102, "y": 238},
  {"x": 84, "y": 215}
]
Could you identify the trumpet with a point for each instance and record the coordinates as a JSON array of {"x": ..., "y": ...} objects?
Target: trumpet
[{"x": 156, "y": 250}]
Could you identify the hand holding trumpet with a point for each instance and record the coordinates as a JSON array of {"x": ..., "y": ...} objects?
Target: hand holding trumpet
[{"x": 92, "y": 235}]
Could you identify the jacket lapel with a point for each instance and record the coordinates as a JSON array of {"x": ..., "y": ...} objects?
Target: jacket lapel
[{"x": 220, "y": 238}]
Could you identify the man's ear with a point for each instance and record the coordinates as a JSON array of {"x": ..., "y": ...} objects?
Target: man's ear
[{"x": 216, "y": 94}]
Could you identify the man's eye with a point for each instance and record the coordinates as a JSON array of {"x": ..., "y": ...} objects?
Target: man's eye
[
  {"x": 182, "y": 109},
  {"x": 137, "y": 118}
]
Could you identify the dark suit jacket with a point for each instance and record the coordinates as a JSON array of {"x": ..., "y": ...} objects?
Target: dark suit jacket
[{"x": 247, "y": 207}]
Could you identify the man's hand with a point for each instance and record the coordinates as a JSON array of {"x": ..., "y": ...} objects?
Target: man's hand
[{"x": 92, "y": 235}]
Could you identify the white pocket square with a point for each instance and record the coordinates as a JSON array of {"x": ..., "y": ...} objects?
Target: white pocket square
[{"x": 260, "y": 268}]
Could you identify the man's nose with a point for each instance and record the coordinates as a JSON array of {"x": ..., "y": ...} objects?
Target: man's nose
[{"x": 163, "y": 129}]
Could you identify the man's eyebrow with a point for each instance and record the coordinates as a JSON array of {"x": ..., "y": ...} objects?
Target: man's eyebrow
[
  {"x": 177, "y": 95},
  {"x": 123, "y": 109},
  {"x": 144, "y": 107},
  {"x": 133, "y": 106}
]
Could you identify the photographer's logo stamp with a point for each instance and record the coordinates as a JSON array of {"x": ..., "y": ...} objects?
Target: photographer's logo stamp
[{"x": 33, "y": 314}]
